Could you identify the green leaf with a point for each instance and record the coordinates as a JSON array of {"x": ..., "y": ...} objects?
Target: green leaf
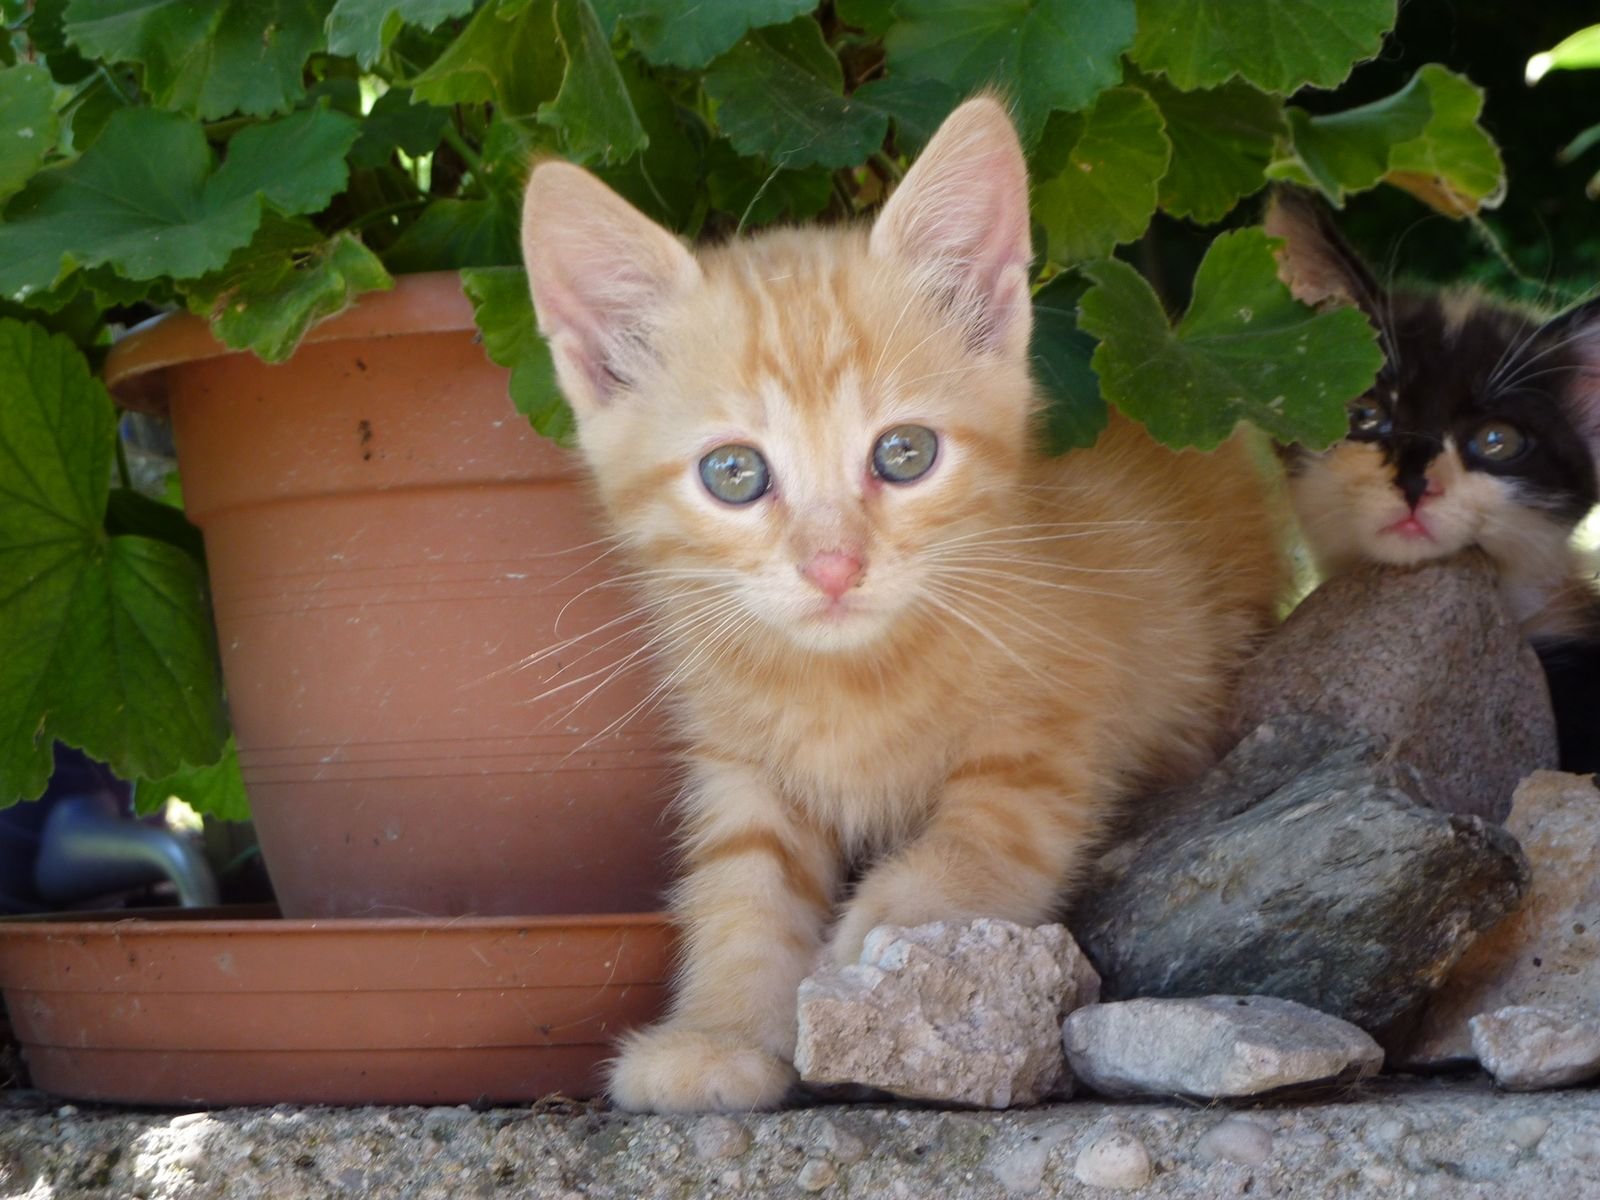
[
  {"x": 1577, "y": 52},
  {"x": 1424, "y": 138},
  {"x": 214, "y": 791},
  {"x": 870, "y": 16},
  {"x": 1222, "y": 140},
  {"x": 451, "y": 234},
  {"x": 779, "y": 96},
  {"x": 666, "y": 180},
  {"x": 397, "y": 123},
  {"x": 1245, "y": 350},
  {"x": 289, "y": 277},
  {"x": 27, "y": 125},
  {"x": 593, "y": 110},
  {"x": 503, "y": 310},
  {"x": 1043, "y": 54},
  {"x": 1106, "y": 191},
  {"x": 507, "y": 56},
  {"x": 1278, "y": 45},
  {"x": 916, "y": 106},
  {"x": 295, "y": 164},
  {"x": 105, "y": 642},
  {"x": 1349, "y": 151},
  {"x": 671, "y": 33},
  {"x": 145, "y": 199},
  {"x": 1076, "y": 411},
  {"x": 133, "y": 513},
  {"x": 758, "y": 193},
  {"x": 207, "y": 59},
  {"x": 1453, "y": 165},
  {"x": 364, "y": 28}
]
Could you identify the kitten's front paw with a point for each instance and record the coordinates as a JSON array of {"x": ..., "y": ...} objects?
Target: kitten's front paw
[
  {"x": 682, "y": 1070},
  {"x": 885, "y": 900}
]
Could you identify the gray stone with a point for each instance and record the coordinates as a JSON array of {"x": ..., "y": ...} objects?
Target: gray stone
[
  {"x": 1212, "y": 1047},
  {"x": 1236, "y": 1139},
  {"x": 1291, "y": 869},
  {"x": 719, "y": 1137},
  {"x": 959, "y": 1013},
  {"x": 1527, "y": 1049},
  {"x": 1466, "y": 1132},
  {"x": 1428, "y": 660},
  {"x": 1546, "y": 953},
  {"x": 1118, "y": 1161}
]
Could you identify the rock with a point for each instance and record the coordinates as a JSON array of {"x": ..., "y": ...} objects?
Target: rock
[
  {"x": 1236, "y": 1139},
  {"x": 959, "y": 1013},
  {"x": 1117, "y": 1161},
  {"x": 1272, "y": 878},
  {"x": 1426, "y": 659},
  {"x": 1545, "y": 954},
  {"x": 816, "y": 1174},
  {"x": 1212, "y": 1047},
  {"x": 1528, "y": 1049},
  {"x": 719, "y": 1137}
]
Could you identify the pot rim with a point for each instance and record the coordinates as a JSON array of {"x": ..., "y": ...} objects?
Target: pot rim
[
  {"x": 427, "y": 302},
  {"x": 259, "y": 919}
]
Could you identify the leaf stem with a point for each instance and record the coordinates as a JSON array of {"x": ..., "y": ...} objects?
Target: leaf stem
[
  {"x": 468, "y": 155},
  {"x": 123, "y": 473}
]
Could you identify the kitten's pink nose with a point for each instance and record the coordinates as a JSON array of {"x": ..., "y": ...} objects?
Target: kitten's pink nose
[{"x": 834, "y": 572}]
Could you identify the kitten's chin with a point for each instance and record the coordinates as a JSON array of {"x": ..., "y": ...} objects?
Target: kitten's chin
[{"x": 836, "y": 629}]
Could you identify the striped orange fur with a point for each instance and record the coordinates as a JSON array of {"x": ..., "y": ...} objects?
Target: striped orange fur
[{"x": 1027, "y": 639}]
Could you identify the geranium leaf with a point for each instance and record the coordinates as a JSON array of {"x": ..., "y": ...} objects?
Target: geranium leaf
[
  {"x": 503, "y": 309},
  {"x": 106, "y": 640},
  {"x": 1245, "y": 350},
  {"x": 212, "y": 59},
  {"x": 1424, "y": 138},
  {"x": 916, "y": 106},
  {"x": 1222, "y": 141},
  {"x": 779, "y": 96},
  {"x": 671, "y": 33},
  {"x": 1105, "y": 192},
  {"x": 507, "y": 56},
  {"x": 27, "y": 124},
  {"x": 451, "y": 234},
  {"x": 287, "y": 278},
  {"x": 364, "y": 28},
  {"x": 593, "y": 110},
  {"x": 1075, "y": 411},
  {"x": 1278, "y": 45},
  {"x": 758, "y": 193},
  {"x": 396, "y": 122},
  {"x": 1043, "y": 54},
  {"x": 145, "y": 199},
  {"x": 1452, "y": 165},
  {"x": 214, "y": 791}
]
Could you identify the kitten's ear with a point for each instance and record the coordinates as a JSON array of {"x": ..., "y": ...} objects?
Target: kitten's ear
[
  {"x": 1578, "y": 331},
  {"x": 600, "y": 271},
  {"x": 1315, "y": 261},
  {"x": 959, "y": 220}
]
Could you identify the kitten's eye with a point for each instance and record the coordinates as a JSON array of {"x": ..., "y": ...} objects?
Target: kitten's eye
[
  {"x": 735, "y": 474},
  {"x": 1497, "y": 442},
  {"x": 905, "y": 453},
  {"x": 1368, "y": 421}
]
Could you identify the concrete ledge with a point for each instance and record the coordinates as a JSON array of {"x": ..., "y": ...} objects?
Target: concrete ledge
[{"x": 1447, "y": 1138}]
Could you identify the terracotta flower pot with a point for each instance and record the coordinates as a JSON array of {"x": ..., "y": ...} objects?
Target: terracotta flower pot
[
  {"x": 199, "y": 1009},
  {"x": 391, "y": 549}
]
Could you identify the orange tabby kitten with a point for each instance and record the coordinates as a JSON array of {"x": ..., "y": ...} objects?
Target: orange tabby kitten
[{"x": 893, "y": 633}]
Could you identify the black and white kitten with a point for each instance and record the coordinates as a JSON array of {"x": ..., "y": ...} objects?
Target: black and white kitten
[{"x": 1482, "y": 429}]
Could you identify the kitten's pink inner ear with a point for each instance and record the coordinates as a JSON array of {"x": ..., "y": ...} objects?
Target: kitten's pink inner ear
[
  {"x": 960, "y": 221},
  {"x": 600, "y": 272}
]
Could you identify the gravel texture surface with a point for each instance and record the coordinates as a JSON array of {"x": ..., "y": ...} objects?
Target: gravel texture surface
[{"x": 1454, "y": 1138}]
